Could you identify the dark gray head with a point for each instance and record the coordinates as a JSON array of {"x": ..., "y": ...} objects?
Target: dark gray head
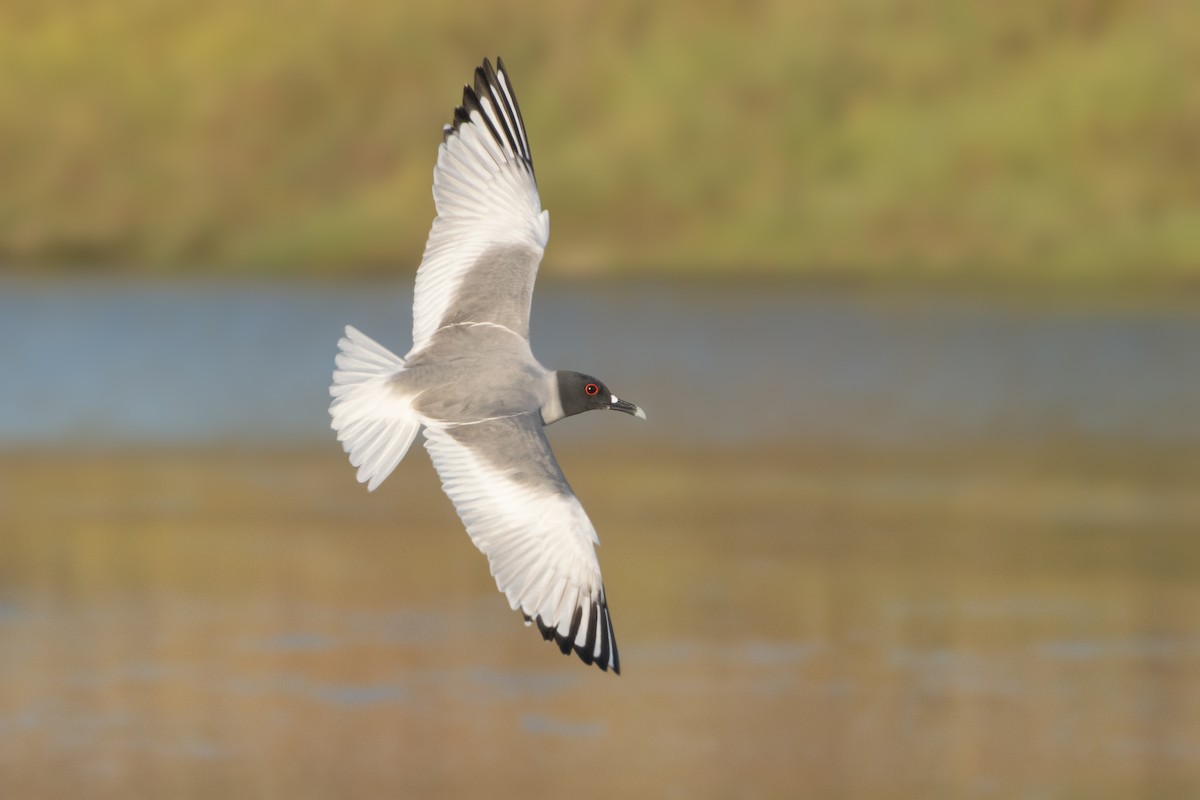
[{"x": 578, "y": 393}]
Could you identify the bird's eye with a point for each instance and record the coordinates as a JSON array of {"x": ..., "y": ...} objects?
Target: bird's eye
[{"x": 591, "y": 390}]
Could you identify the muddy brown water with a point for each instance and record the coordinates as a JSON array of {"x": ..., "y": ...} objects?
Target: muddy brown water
[{"x": 1003, "y": 621}]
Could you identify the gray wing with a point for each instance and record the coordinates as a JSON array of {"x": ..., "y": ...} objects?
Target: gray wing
[
  {"x": 519, "y": 510},
  {"x": 483, "y": 251}
]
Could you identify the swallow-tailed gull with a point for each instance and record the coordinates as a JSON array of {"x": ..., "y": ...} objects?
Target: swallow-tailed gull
[{"x": 472, "y": 384}]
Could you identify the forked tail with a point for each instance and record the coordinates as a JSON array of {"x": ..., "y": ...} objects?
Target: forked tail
[{"x": 374, "y": 422}]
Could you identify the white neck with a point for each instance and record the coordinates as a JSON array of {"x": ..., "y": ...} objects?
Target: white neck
[{"x": 552, "y": 410}]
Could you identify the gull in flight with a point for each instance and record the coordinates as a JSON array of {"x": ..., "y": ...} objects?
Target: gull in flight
[{"x": 472, "y": 384}]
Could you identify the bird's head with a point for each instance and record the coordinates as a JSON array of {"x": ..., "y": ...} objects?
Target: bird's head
[{"x": 578, "y": 392}]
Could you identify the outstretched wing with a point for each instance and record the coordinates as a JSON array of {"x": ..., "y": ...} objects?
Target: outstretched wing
[
  {"x": 487, "y": 240},
  {"x": 520, "y": 511}
]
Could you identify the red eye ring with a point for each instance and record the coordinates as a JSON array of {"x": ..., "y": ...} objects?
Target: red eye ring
[{"x": 591, "y": 390}]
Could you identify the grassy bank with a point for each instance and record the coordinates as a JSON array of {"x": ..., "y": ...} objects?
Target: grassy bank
[{"x": 1029, "y": 143}]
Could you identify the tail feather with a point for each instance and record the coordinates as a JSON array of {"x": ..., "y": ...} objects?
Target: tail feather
[{"x": 374, "y": 422}]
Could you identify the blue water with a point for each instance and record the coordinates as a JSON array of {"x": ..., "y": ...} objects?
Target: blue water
[{"x": 102, "y": 363}]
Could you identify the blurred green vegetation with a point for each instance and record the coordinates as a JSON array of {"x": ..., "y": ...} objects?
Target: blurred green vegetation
[{"x": 1028, "y": 142}]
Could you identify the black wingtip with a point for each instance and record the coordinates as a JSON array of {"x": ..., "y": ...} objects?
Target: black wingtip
[
  {"x": 484, "y": 75},
  {"x": 495, "y": 85},
  {"x": 598, "y": 614}
]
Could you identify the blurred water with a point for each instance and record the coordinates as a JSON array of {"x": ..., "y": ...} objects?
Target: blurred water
[
  {"x": 178, "y": 623},
  {"x": 133, "y": 362},
  {"x": 984, "y": 621}
]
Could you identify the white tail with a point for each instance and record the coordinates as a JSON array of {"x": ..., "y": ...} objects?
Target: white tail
[{"x": 374, "y": 422}]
